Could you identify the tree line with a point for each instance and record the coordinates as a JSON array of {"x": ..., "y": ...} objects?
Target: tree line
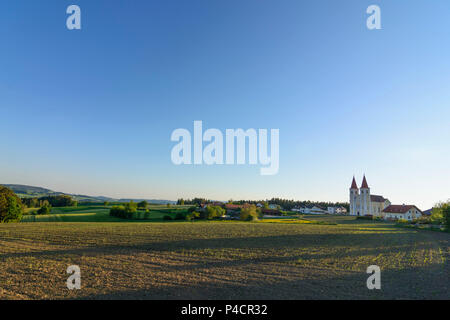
[
  {"x": 286, "y": 204},
  {"x": 54, "y": 201}
]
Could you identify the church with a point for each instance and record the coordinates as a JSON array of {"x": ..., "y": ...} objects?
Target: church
[{"x": 363, "y": 203}]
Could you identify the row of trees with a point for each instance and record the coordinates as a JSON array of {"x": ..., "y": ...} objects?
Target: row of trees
[
  {"x": 54, "y": 201},
  {"x": 283, "y": 203},
  {"x": 195, "y": 201}
]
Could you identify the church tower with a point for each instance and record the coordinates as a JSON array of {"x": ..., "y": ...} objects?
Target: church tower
[
  {"x": 365, "y": 198},
  {"x": 354, "y": 195}
]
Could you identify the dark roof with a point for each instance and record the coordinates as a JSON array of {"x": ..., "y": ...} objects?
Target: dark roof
[
  {"x": 364, "y": 183},
  {"x": 375, "y": 198},
  {"x": 399, "y": 208},
  {"x": 427, "y": 212},
  {"x": 354, "y": 185}
]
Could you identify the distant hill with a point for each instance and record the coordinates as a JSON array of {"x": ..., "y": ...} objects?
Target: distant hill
[
  {"x": 25, "y": 191},
  {"x": 29, "y": 191}
]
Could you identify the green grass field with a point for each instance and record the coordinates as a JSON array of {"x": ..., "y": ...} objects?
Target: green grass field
[
  {"x": 100, "y": 213},
  {"x": 272, "y": 259}
]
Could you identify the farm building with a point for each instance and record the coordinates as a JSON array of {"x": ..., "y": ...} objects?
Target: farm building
[{"x": 406, "y": 212}]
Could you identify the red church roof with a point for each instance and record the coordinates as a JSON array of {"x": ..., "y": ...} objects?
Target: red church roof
[
  {"x": 364, "y": 183},
  {"x": 354, "y": 185}
]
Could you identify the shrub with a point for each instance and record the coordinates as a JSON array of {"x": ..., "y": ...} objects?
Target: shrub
[
  {"x": 422, "y": 220},
  {"x": 167, "y": 218},
  {"x": 10, "y": 206},
  {"x": 402, "y": 221}
]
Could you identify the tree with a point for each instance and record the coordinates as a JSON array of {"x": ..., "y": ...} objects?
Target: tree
[
  {"x": 125, "y": 211},
  {"x": 10, "y": 206},
  {"x": 249, "y": 214},
  {"x": 106, "y": 203},
  {"x": 437, "y": 214},
  {"x": 131, "y": 207},
  {"x": 142, "y": 205},
  {"x": 31, "y": 202},
  {"x": 212, "y": 212},
  {"x": 193, "y": 215},
  {"x": 45, "y": 209},
  {"x": 192, "y": 209},
  {"x": 62, "y": 200},
  {"x": 446, "y": 214}
]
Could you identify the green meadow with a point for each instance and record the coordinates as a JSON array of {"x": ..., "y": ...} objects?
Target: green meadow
[{"x": 100, "y": 213}]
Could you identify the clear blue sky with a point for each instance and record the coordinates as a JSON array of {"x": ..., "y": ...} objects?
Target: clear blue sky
[{"x": 92, "y": 111}]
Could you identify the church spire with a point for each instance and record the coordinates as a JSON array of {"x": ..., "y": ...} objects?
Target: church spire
[
  {"x": 364, "y": 183},
  {"x": 354, "y": 185}
]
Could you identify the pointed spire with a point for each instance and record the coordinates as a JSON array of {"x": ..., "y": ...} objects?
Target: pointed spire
[
  {"x": 364, "y": 183},
  {"x": 354, "y": 185}
]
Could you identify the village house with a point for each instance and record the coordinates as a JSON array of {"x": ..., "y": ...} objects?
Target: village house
[
  {"x": 313, "y": 210},
  {"x": 405, "y": 212},
  {"x": 336, "y": 210}
]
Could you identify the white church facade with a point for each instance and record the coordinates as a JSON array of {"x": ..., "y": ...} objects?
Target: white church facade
[{"x": 363, "y": 203}]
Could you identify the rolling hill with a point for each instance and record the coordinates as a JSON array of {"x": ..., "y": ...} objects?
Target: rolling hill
[{"x": 25, "y": 191}]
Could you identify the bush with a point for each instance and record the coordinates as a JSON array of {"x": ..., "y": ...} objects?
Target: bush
[
  {"x": 167, "y": 218},
  {"x": 45, "y": 209},
  {"x": 10, "y": 206},
  {"x": 402, "y": 221},
  {"x": 422, "y": 220}
]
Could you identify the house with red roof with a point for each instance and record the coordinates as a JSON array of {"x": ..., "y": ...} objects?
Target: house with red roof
[{"x": 406, "y": 212}]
